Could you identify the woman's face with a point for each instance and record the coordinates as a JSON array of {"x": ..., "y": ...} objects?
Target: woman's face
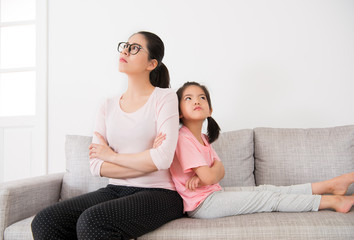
[{"x": 138, "y": 63}]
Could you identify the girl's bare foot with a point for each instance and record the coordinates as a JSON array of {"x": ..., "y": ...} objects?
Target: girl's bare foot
[
  {"x": 340, "y": 184},
  {"x": 344, "y": 204},
  {"x": 341, "y": 204},
  {"x": 336, "y": 186}
]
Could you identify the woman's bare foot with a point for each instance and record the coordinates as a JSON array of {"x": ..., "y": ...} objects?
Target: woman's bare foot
[
  {"x": 336, "y": 186},
  {"x": 341, "y": 204}
]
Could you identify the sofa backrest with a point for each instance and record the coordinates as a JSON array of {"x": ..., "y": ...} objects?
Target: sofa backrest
[
  {"x": 78, "y": 178},
  {"x": 260, "y": 156},
  {"x": 294, "y": 156},
  {"x": 234, "y": 148}
]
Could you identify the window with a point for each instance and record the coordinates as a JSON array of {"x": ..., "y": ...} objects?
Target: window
[
  {"x": 23, "y": 88},
  {"x": 17, "y": 57}
]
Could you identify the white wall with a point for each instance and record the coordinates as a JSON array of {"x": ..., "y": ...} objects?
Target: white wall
[{"x": 268, "y": 63}]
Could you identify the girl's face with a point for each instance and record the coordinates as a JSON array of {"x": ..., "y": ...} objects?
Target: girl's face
[
  {"x": 138, "y": 63},
  {"x": 194, "y": 105}
]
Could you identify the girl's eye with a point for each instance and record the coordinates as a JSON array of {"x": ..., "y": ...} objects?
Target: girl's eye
[
  {"x": 202, "y": 98},
  {"x": 187, "y": 98}
]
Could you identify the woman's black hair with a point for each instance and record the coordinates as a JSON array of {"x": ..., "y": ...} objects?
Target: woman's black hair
[
  {"x": 159, "y": 77},
  {"x": 213, "y": 127}
]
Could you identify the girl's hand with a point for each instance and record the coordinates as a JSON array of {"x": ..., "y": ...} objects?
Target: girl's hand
[
  {"x": 193, "y": 183},
  {"x": 101, "y": 150},
  {"x": 158, "y": 140}
]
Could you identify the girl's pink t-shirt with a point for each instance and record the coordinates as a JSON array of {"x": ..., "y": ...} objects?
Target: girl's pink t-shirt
[
  {"x": 190, "y": 153},
  {"x": 135, "y": 132}
]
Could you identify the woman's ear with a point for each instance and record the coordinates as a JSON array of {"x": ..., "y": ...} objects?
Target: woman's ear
[{"x": 152, "y": 65}]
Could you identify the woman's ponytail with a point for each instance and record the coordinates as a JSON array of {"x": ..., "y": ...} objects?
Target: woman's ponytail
[
  {"x": 213, "y": 129},
  {"x": 160, "y": 77}
]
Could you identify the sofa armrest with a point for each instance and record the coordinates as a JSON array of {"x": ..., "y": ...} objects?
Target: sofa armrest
[{"x": 21, "y": 199}]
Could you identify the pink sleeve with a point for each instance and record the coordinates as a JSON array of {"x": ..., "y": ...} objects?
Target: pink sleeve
[
  {"x": 188, "y": 154},
  {"x": 100, "y": 127},
  {"x": 167, "y": 122}
]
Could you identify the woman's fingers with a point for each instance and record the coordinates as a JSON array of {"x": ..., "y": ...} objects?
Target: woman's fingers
[
  {"x": 93, "y": 152},
  {"x": 101, "y": 139},
  {"x": 158, "y": 142},
  {"x": 159, "y": 139},
  {"x": 93, "y": 145}
]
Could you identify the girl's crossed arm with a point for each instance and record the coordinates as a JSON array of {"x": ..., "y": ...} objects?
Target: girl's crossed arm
[{"x": 206, "y": 175}]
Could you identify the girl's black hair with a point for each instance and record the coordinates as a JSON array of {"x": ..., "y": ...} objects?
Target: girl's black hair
[
  {"x": 159, "y": 77},
  {"x": 213, "y": 127}
]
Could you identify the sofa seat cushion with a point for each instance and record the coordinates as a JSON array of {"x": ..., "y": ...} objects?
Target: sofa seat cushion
[
  {"x": 294, "y": 156},
  {"x": 270, "y": 226},
  {"x": 19, "y": 230}
]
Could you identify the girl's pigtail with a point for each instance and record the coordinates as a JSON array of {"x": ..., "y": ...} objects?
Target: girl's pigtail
[{"x": 213, "y": 129}]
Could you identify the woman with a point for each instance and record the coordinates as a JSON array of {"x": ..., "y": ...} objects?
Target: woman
[{"x": 140, "y": 196}]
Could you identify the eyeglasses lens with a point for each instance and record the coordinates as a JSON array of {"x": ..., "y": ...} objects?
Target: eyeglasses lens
[{"x": 132, "y": 48}]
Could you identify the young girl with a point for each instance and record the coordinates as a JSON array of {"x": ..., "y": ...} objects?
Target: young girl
[{"x": 196, "y": 171}]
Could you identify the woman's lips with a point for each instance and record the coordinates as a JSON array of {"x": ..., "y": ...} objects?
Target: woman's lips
[{"x": 122, "y": 60}]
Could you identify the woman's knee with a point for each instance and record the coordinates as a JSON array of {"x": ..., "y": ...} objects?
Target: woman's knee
[
  {"x": 51, "y": 223},
  {"x": 37, "y": 226},
  {"x": 43, "y": 226},
  {"x": 86, "y": 223},
  {"x": 95, "y": 224}
]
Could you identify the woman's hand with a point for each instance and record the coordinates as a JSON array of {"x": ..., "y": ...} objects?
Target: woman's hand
[
  {"x": 101, "y": 150},
  {"x": 158, "y": 140},
  {"x": 193, "y": 183}
]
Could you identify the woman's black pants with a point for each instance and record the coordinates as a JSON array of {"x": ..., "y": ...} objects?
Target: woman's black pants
[{"x": 113, "y": 212}]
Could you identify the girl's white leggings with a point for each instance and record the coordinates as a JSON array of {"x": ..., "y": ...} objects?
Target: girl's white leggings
[{"x": 264, "y": 198}]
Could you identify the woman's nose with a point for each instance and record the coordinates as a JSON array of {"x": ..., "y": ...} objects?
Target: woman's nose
[{"x": 126, "y": 51}]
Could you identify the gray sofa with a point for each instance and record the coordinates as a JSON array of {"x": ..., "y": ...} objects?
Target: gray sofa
[{"x": 251, "y": 157}]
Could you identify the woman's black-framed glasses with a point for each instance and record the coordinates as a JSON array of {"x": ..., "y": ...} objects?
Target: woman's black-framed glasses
[{"x": 133, "y": 48}]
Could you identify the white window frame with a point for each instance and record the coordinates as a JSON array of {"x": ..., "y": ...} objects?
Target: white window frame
[{"x": 39, "y": 121}]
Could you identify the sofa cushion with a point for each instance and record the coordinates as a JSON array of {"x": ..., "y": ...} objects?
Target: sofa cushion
[
  {"x": 78, "y": 179},
  {"x": 293, "y": 156},
  {"x": 260, "y": 226},
  {"x": 235, "y": 149},
  {"x": 19, "y": 230},
  {"x": 268, "y": 226}
]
